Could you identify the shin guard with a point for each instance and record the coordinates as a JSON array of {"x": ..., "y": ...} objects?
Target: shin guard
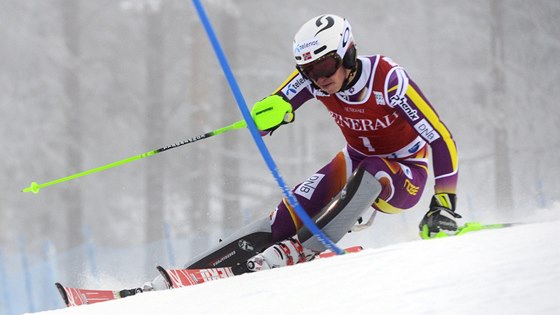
[{"x": 339, "y": 215}]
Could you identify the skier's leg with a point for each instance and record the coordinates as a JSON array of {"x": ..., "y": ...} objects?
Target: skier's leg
[
  {"x": 386, "y": 185},
  {"x": 313, "y": 195},
  {"x": 335, "y": 220},
  {"x": 402, "y": 181},
  {"x": 335, "y": 204}
]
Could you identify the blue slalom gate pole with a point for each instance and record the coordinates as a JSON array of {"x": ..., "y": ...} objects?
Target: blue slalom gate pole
[{"x": 304, "y": 217}]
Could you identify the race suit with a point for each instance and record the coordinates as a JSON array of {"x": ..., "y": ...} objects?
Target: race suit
[{"x": 388, "y": 125}]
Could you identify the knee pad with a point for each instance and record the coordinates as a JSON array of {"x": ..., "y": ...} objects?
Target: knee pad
[{"x": 341, "y": 213}]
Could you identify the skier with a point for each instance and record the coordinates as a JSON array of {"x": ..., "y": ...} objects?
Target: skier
[
  {"x": 388, "y": 125},
  {"x": 386, "y": 120}
]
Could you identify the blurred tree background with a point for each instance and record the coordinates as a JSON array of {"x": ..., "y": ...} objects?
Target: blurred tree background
[{"x": 85, "y": 83}]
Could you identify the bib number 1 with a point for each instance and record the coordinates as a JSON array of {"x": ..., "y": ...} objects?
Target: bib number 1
[{"x": 367, "y": 144}]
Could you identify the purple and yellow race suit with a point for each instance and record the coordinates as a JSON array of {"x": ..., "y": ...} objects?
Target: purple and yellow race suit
[{"x": 388, "y": 125}]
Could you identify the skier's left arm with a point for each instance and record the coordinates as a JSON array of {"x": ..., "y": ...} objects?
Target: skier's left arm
[{"x": 404, "y": 95}]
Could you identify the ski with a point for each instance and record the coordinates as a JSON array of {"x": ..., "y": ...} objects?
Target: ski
[
  {"x": 466, "y": 228},
  {"x": 77, "y": 296},
  {"x": 178, "y": 278},
  {"x": 175, "y": 278},
  {"x": 348, "y": 250}
]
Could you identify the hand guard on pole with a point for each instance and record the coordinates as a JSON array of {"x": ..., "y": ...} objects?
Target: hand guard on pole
[
  {"x": 441, "y": 216},
  {"x": 271, "y": 112}
]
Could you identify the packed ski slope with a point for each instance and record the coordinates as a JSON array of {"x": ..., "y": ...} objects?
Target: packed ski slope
[{"x": 508, "y": 271}]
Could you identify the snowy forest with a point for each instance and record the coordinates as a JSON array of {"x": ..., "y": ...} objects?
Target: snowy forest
[{"x": 87, "y": 83}]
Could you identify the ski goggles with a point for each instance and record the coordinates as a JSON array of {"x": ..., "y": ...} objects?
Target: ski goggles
[{"x": 323, "y": 67}]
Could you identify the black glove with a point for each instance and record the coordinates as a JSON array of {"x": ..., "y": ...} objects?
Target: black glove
[{"x": 441, "y": 215}]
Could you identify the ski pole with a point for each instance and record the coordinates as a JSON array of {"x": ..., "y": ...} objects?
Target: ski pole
[{"x": 34, "y": 187}]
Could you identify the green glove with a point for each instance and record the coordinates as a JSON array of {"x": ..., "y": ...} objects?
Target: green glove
[{"x": 271, "y": 112}]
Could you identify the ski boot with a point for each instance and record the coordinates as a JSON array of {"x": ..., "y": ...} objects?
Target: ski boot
[
  {"x": 285, "y": 253},
  {"x": 129, "y": 292}
]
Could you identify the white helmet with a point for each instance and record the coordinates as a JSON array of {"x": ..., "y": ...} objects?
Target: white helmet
[{"x": 322, "y": 35}]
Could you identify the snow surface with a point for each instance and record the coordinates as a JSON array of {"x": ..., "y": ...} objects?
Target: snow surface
[{"x": 507, "y": 271}]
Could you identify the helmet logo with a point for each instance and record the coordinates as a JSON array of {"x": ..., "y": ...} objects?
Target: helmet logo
[
  {"x": 319, "y": 22},
  {"x": 307, "y": 45},
  {"x": 345, "y": 37}
]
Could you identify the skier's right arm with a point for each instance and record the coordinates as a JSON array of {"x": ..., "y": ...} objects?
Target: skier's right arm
[
  {"x": 278, "y": 108},
  {"x": 271, "y": 112}
]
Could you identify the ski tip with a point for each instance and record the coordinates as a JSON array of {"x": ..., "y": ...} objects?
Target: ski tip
[
  {"x": 165, "y": 276},
  {"x": 62, "y": 292},
  {"x": 353, "y": 249}
]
